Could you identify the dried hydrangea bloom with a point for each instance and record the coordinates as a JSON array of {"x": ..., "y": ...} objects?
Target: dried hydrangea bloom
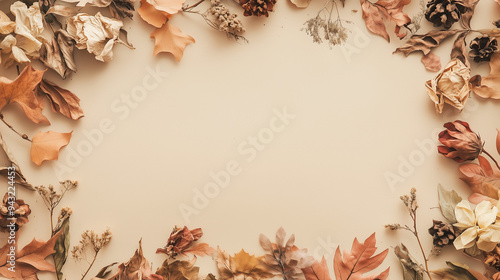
[
  {"x": 451, "y": 86},
  {"x": 180, "y": 239},
  {"x": 478, "y": 227},
  {"x": 460, "y": 143},
  {"x": 97, "y": 34},
  {"x": 19, "y": 212}
]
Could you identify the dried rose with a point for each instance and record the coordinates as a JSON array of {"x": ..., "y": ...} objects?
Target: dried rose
[
  {"x": 460, "y": 142},
  {"x": 451, "y": 86},
  {"x": 98, "y": 34},
  {"x": 13, "y": 212},
  {"x": 180, "y": 239}
]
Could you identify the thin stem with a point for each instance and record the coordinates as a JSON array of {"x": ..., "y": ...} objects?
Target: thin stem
[
  {"x": 90, "y": 266},
  {"x": 193, "y": 6},
  {"x": 488, "y": 154},
  {"x": 51, "y": 222},
  {"x": 24, "y": 136},
  {"x": 415, "y": 232}
]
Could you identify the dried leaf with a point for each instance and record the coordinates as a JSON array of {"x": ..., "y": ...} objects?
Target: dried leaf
[
  {"x": 151, "y": 15},
  {"x": 317, "y": 271},
  {"x": 240, "y": 267},
  {"x": 58, "y": 53},
  {"x": 61, "y": 10},
  {"x": 432, "y": 62},
  {"x": 46, "y": 145},
  {"x": 447, "y": 202},
  {"x": 373, "y": 19},
  {"x": 200, "y": 249},
  {"x": 374, "y": 14},
  {"x": 178, "y": 270},
  {"x": 301, "y": 3},
  {"x": 481, "y": 178},
  {"x": 62, "y": 100},
  {"x": 62, "y": 248},
  {"x": 170, "y": 39},
  {"x": 4, "y": 171},
  {"x": 411, "y": 269},
  {"x": 210, "y": 276},
  {"x": 459, "y": 50},
  {"x": 458, "y": 272},
  {"x": 490, "y": 85},
  {"x": 137, "y": 268},
  {"x": 104, "y": 271},
  {"x": 23, "y": 92},
  {"x": 359, "y": 260},
  {"x": 425, "y": 43},
  {"x": 169, "y": 6},
  {"x": 466, "y": 17},
  {"x": 29, "y": 260}
]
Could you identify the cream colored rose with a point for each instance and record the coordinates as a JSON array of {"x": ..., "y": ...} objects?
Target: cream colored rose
[
  {"x": 98, "y": 34},
  {"x": 451, "y": 86},
  {"x": 479, "y": 226}
]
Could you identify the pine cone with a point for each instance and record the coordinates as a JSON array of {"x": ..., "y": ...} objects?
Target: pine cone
[
  {"x": 257, "y": 7},
  {"x": 482, "y": 48},
  {"x": 16, "y": 216},
  {"x": 444, "y": 12},
  {"x": 493, "y": 258},
  {"x": 442, "y": 234}
]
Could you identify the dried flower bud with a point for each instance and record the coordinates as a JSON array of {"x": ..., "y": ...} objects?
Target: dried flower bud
[
  {"x": 13, "y": 213},
  {"x": 460, "y": 142},
  {"x": 180, "y": 239},
  {"x": 393, "y": 226}
]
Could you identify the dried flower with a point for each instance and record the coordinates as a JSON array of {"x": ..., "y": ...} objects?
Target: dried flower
[
  {"x": 333, "y": 32},
  {"x": 226, "y": 21},
  {"x": 479, "y": 226},
  {"x": 50, "y": 197},
  {"x": 442, "y": 234},
  {"x": 89, "y": 237},
  {"x": 181, "y": 239},
  {"x": 98, "y": 34},
  {"x": 451, "y": 86},
  {"x": 13, "y": 211},
  {"x": 483, "y": 47},
  {"x": 493, "y": 258},
  {"x": 460, "y": 142},
  {"x": 393, "y": 226}
]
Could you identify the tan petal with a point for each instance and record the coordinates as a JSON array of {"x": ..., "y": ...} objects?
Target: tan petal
[
  {"x": 467, "y": 239},
  {"x": 464, "y": 214},
  {"x": 485, "y": 214}
]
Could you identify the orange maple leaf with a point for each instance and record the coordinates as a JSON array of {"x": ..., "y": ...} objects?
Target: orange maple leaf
[{"x": 170, "y": 39}]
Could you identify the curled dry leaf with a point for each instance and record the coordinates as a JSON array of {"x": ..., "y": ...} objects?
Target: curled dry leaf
[
  {"x": 359, "y": 260},
  {"x": 317, "y": 271},
  {"x": 242, "y": 266},
  {"x": 23, "y": 92},
  {"x": 459, "y": 49},
  {"x": 374, "y": 14},
  {"x": 46, "y": 145},
  {"x": 448, "y": 200},
  {"x": 432, "y": 62},
  {"x": 5, "y": 171},
  {"x": 168, "y": 6},
  {"x": 425, "y": 43},
  {"x": 490, "y": 85},
  {"x": 470, "y": 6},
  {"x": 137, "y": 268},
  {"x": 411, "y": 269},
  {"x": 458, "y": 272},
  {"x": 170, "y": 39},
  {"x": 482, "y": 178},
  {"x": 29, "y": 260},
  {"x": 61, "y": 100},
  {"x": 179, "y": 270},
  {"x": 58, "y": 53}
]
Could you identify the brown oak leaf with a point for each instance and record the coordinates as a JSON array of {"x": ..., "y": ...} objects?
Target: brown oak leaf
[
  {"x": 425, "y": 43},
  {"x": 61, "y": 100},
  {"x": 482, "y": 178},
  {"x": 23, "y": 91},
  {"x": 137, "y": 268},
  {"x": 374, "y": 14},
  {"x": 241, "y": 266},
  {"x": 317, "y": 271},
  {"x": 490, "y": 85},
  {"x": 170, "y": 39},
  {"x": 179, "y": 270},
  {"x": 29, "y": 260},
  {"x": 46, "y": 145},
  {"x": 359, "y": 260}
]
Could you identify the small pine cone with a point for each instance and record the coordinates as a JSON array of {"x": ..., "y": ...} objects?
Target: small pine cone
[
  {"x": 482, "y": 48},
  {"x": 444, "y": 12},
  {"x": 13, "y": 214},
  {"x": 493, "y": 258},
  {"x": 442, "y": 234},
  {"x": 257, "y": 7}
]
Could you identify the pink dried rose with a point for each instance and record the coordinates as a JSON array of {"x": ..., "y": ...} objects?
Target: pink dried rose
[
  {"x": 460, "y": 143},
  {"x": 180, "y": 240},
  {"x": 13, "y": 213},
  {"x": 451, "y": 86}
]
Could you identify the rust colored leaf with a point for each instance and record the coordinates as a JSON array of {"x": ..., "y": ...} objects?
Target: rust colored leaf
[
  {"x": 200, "y": 249},
  {"x": 317, "y": 271},
  {"x": 482, "y": 178},
  {"x": 359, "y": 261},
  {"x": 374, "y": 20},
  {"x": 62, "y": 100},
  {"x": 425, "y": 43},
  {"x": 490, "y": 85},
  {"x": 29, "y": 260},
  {"x": 170, "y": 39},
  {"x": 23, "y": 92},
  {"x": 46, "y": 145},
  {"x": 151, "y": 15},
  {"x": 241, "y": 266},
  {"x": 374, "y": 14},
  {"x": 432, "y": 62}
]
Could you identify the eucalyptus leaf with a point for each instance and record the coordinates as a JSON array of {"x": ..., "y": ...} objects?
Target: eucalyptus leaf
[
  {"x": 61, "y": 247},
  {"x": 411, "y": 269},
  {"x": 448, "y": 200}
]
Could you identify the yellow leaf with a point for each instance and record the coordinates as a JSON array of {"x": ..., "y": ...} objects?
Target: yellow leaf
[{"x": 46, "y": 145}]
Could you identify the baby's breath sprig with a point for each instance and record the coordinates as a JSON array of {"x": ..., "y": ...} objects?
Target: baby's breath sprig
[
  {"x": 323, "y": 27},
  {"x": 93, "y": 240}
]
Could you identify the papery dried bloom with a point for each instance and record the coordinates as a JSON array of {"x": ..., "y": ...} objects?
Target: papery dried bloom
[
  {"x": 13, "y": 212},
  {"x": 180, "y": 239},
  {"x": 451, "y": 86},
  {"x": 479, "y": 226},
  {"x": 442, "y": 234},
  {"x": 460, "y": 142},
  {"x": 97, "y": 34},
  {"x": 493, "y": 258}
]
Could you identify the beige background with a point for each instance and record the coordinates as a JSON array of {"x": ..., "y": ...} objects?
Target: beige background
[{"x": 360, "y": 112}]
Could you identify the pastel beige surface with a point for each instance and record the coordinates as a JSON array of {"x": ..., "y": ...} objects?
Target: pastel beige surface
[{"x": 306, "y": 136}]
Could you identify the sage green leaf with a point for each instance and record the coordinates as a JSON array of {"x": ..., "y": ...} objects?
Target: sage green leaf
[
  {"x": 61, "y": 247},
  {"x": 411, "y": 269},
  {"x": 447, "y": 202},
  {"x": 459, "y": 272}
]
